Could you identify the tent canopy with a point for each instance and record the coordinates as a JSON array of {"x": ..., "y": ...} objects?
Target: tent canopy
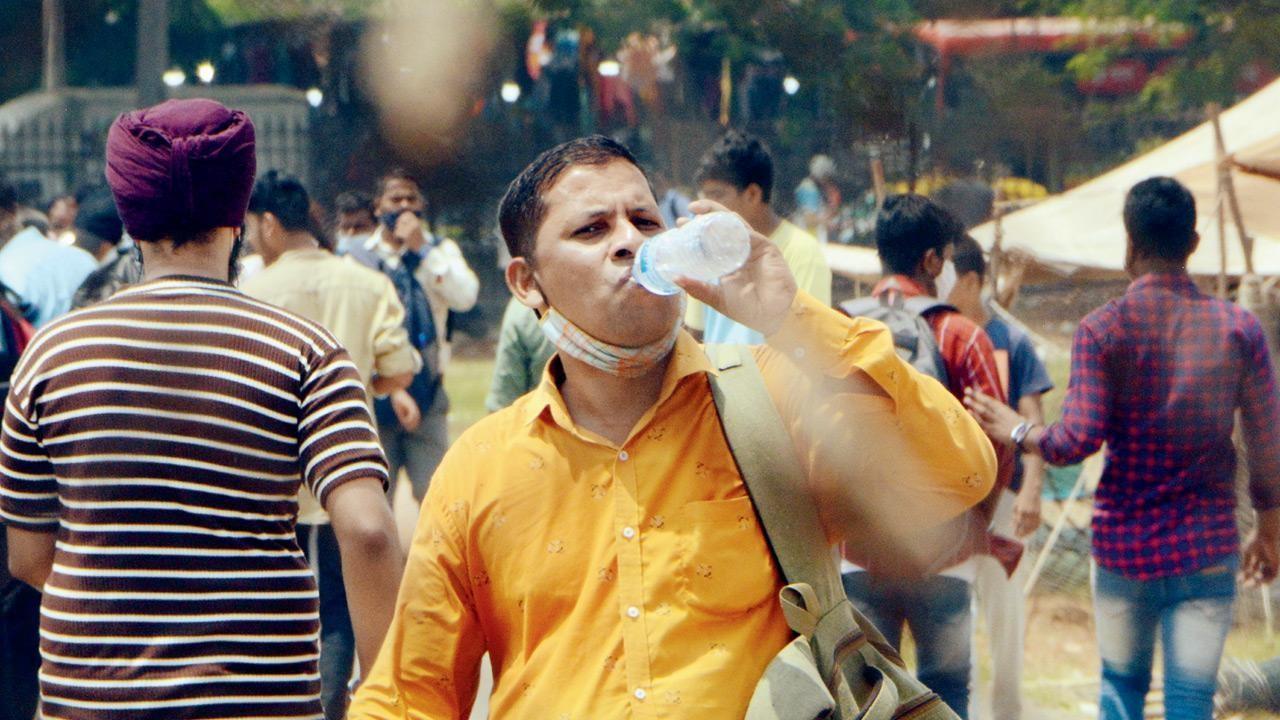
[
  {"x": 853, "y": 261},
  {"x": 1081, "y": 232}
]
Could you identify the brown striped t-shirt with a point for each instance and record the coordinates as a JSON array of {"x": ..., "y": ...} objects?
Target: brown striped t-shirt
[{"x": 162, "y": 435}]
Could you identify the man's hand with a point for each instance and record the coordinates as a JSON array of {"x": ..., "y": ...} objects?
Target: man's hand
[
  {"x": 1026, "y": 511},
  {"x": 407, "y": 411},
  {"x": 759, "y": 294},
  {"x": 996, "y": 418},
  {"x": 408, "y": 230},
  {"x": 1261, "y": 556}
]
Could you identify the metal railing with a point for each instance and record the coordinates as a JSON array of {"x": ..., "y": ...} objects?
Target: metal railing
[{"x": 53, "y": 143}]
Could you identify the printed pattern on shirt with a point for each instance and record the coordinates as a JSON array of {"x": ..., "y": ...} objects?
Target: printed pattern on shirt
[
  {"x": 1158, "y": 375},
  {"x": 163, "y": 435}
]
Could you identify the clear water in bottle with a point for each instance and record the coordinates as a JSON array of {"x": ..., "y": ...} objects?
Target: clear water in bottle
[{"x": 706, "y": 248}]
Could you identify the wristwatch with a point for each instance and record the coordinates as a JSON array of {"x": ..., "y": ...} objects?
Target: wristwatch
[{"x": 1020, "y": 433}]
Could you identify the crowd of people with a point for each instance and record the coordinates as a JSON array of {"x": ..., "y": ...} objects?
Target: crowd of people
[{"x": 210, "y": 396}]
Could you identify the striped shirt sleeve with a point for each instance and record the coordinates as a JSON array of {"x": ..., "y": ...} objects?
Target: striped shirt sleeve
[
  {"x": 336, "y": 439},
  {"x": 28, "y": 488}
]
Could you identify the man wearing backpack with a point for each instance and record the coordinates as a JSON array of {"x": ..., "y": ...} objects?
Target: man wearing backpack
[{"x": 915, "y": 238}]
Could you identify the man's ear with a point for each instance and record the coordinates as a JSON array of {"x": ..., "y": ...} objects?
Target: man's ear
[
  {"x": 753, "y": 194},
  {"x": 1195, "y": 243},
  {"x": 932, "y": 263},
  {"x": 523, "y": 285}
]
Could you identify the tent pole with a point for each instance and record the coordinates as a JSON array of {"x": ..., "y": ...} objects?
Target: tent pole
[
  {"x": 997, "y": 253},
  {"x": 1219, "y": 157},
  {"x": 877, "y": 176},
  {"x": 1228, "y": 186},
  {"x": 1222, "y": 244}
]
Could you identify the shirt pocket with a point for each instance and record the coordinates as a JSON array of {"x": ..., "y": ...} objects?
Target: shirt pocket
[{"x": 725, "y": 565}]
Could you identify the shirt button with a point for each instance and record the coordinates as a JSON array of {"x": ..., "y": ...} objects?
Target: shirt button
[
  {"x": 633, "y": 612},
  {"x": 799, "y": 353},
  {"x": 628, "y": 532},
  {"x": 623, "y": 456},
  {"x": 641, "y": 694}
]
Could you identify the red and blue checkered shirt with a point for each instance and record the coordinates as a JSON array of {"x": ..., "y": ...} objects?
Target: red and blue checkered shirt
[{"x": 1158, "y": 375}]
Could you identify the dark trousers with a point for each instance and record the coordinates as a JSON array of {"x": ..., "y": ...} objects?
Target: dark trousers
[
  {"x": 337, "y": 639},
  {"x": 937, "y": 609},
  {"x": 19, "y": 650}
]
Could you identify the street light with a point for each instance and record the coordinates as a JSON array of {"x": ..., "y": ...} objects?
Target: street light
[
  {"x": 174, "y": 77},
  {"x": 315, "y": 96},
  {"x": 205, "y": 71},
  {"x": 510, "y": 92},
  {"x": 791, "y": 85},
  {"x": 610, "y": 68}
]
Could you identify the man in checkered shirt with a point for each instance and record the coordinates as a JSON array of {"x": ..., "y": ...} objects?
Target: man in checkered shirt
[{"x": 1158, "y": 375}]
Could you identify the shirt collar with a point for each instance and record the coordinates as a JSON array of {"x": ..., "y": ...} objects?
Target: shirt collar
[
  {"x": 781, "y": 236},
  {"x": 1177, "y": 281},
  {"x": 903, "y": 284},
  {"x": 303, "y": 252},
  {"x": 687, "y": 359}
]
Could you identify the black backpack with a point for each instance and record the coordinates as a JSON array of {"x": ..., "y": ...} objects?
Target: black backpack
[{"x": 907, "y": 320}]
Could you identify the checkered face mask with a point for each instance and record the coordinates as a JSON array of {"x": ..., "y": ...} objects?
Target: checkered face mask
[{"x": 624, "y": 362}]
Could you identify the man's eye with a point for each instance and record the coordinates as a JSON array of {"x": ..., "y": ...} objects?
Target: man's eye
[
  {"x": 645, "y": 222},
  {"x": 587, "y": 230}
]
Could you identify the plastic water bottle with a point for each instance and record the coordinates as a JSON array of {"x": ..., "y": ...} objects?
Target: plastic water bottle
[{"x": 706, "y": 248}]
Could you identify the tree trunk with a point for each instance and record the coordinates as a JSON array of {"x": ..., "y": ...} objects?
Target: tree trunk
[
  {"x": 153, "y": 51},
  {"x": 55, "y": 55}
]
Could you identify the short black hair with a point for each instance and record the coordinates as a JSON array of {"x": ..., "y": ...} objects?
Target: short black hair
[
  {"x": 1160, "y": 217},
  {"x": 354, "y": 201},
  {"x": 521, "y": 211},
  {"x": 908, "y": 227},
  {"x": 390, "y": 176},
  {"x": 969, "y": 258},
  {"x": 740, "y": 160},
  {"x": 98, "y": 215},
  {"x": 8, "y": 196},
  {"x": 283, "y": 197}
]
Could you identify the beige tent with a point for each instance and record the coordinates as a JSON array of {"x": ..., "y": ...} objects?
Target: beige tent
[
  {"x": 853, "y": 261},
  {"x": 1081, "y": 233}
]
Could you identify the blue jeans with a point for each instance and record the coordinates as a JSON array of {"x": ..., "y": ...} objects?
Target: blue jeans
[
  {"x": 938, "y": 611},
  {"x": 337, "y": 638},
  {"x": 1193, "y": 613}
]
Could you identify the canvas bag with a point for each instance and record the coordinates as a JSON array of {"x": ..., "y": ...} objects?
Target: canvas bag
[{"x": 839, "y": 667}]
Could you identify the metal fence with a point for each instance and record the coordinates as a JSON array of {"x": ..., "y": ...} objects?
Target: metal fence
[{"x": 53, "y": 143}]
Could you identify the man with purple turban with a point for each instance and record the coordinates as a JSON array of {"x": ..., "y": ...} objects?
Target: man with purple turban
[{"x": 152, "y": 448}]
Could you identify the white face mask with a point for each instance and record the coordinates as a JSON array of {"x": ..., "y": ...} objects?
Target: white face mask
[
  {"x": 946, "y": 280},
  {"x": 350, "y": 240}
]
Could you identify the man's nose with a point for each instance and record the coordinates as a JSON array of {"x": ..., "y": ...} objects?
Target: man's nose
[{"x": 628, "y": 241}]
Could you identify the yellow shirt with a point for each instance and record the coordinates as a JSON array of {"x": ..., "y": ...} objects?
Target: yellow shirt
[
  {"x": 358, "y": 306},
  {"x": 634, "y": 581},
  {"x": 808, "y": 264}
]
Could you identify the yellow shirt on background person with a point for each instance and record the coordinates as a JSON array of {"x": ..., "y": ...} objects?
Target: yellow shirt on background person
[
  {"x": 808, "y": 264},
  {"x": 358, "y": 306},
  {"x": 635, "y": 581}
]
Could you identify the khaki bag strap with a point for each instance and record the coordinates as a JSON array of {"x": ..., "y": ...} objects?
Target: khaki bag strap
[{"x": 772, "y": 472}]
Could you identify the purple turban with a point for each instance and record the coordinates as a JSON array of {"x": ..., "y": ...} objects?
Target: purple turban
[{"x": 182, "y": 166}]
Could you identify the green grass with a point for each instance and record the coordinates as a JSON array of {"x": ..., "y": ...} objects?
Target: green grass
[{"x": 467, "y": 382}]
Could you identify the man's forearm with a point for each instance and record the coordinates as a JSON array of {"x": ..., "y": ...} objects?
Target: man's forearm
[
  {"x": 372, "y": 561},
  {"x": 1033, "y": 474},
  {"x": 372, "y": 576}
]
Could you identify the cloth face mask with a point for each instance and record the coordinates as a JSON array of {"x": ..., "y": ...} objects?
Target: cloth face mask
[{"x": 625, "y": 362}]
